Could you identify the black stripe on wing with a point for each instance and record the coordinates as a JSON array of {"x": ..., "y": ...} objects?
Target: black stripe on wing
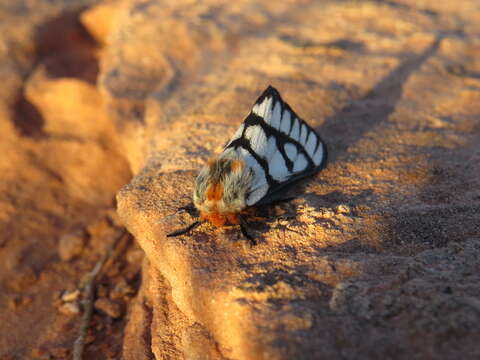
[
  {"x": 285, "y": 108},
  {"x": 278, "y": 191},
  {"x": 243, "y": 142},
  {"x": 281, "y": 139}
]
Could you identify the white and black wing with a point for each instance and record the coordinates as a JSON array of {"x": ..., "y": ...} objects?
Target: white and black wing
[{"x": 277, "y": 145}]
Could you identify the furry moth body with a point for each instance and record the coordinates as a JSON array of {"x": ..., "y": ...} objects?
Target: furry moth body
[{"x": 272, "y": 148}]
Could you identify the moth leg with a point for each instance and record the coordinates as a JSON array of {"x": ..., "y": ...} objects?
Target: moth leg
[
  {"x": 264, "y": 210},
  {"x": 243, "y": 228},
  {"x": 281, "y": 201},
  {"x": 186, "y": 229},
  {"x": 190, "y": 208}
]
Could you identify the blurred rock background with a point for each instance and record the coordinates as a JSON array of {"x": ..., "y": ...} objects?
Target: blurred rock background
[{"x": 375, "y": 258}]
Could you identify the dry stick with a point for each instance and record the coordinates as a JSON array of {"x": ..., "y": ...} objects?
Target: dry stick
[{"x": 87, "y": 298}]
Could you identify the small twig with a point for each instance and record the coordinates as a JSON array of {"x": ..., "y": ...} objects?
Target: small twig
[{"x": 87, "y": 298}]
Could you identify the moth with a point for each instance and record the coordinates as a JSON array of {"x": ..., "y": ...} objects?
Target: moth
[{"x": 270, "y": 151}]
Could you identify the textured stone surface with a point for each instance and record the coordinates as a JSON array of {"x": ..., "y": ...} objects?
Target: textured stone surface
[
  {"x": 374, "y": 259},
  {"x": 344, "y": 270}
]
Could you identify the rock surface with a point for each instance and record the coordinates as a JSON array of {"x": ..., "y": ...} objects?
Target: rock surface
[{"x": 375, "y": 256}]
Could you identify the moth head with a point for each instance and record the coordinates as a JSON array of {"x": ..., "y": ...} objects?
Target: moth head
[{"x": 221, "y": 186}]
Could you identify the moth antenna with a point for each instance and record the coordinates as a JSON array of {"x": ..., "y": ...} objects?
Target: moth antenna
[
  {"x": 186, "y": 229},
  {"x": 243, "y": 228}
]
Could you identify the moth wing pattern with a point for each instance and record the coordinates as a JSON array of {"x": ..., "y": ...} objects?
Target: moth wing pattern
[{"x": 277, "y": 145}]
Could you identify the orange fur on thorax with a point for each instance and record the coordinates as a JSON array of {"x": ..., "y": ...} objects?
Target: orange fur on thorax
[
  {"x": 220, "y": 220},
  {"x": 215, "y": 192},
  {"x": 237, "y": 165}
]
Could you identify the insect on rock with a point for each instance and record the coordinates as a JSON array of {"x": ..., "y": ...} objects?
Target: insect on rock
[{"x": 272, "y": 149}]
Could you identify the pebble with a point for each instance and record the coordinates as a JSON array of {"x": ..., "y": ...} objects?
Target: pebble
[
  {"x": 327, "y": 213},
  {"x": 343, "y": 209},
  {"x": 60, "y": 352},
  {"x": 71, "y": 245},
  {"x": 102, "y": 290},
  {"x": 69, "y": 308},
  {"x": 89, "y": 339},
  {"x": 121, "y": 290},
  {"x": 135, "y": 256},
  {"x": 101, "y": 234},
  {"x": 69, "y": 296},
  {"x": 24, "y": 279},
  {"x": 17, "y": 301},
  {"x": 40, "y": 353},
  {"x": 112, "y": 308}
]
